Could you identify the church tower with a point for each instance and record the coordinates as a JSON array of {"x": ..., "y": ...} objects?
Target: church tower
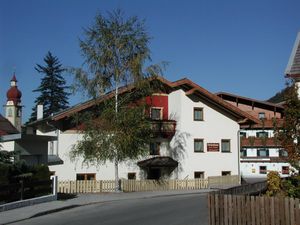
[{"x": 13, "y": 107}]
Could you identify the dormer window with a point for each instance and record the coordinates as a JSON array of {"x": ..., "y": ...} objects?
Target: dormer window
[
  {"x": 156, "y": 113},
  {"x": 261, "y": 115}
]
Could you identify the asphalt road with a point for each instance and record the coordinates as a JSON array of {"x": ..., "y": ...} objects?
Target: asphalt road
[{"x": 166, "y": 210}]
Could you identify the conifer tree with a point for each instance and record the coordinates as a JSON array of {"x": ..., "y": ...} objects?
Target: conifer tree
[{"x": 53, "y": 89}]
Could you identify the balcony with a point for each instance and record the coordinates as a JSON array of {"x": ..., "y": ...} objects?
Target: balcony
[
  {"x": 163, "y": 128},
  {"x": 259, "y": 142}
]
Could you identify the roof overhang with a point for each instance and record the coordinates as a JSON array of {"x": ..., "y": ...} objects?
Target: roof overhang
[
  {"x": 159, "y": 161},
  {"x": 10, "y": 137},
  {"x": 54, "y": 160},
  {"x": 60, "y": 119},
  {"x": 293, "y": 66}
]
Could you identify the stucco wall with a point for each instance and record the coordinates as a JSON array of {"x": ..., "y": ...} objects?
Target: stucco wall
[{"x": 216, "y": 126}]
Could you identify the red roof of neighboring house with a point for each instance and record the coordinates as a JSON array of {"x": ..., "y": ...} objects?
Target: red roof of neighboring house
[
  {"x": 229, "y": 96},
  {"x": 6, "y": 127},
  {"x": 185, "y": 84}
]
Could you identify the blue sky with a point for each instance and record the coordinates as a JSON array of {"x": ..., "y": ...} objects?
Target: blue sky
[{"x": 237, "y": 46}]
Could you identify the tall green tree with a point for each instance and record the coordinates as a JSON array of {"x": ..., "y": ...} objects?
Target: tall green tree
[
  {"x": 53, "y": 89},
  {"x": 289, "y": 132},
  {"x": 115, "y": 49}
]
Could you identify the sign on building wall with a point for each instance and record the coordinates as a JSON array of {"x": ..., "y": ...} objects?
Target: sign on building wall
[{"x": 213, "y": 147}]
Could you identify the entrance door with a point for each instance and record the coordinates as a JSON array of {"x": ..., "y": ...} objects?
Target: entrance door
[{"x": 154, "y": 173}]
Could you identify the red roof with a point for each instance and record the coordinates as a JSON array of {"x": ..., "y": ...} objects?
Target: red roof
[
  {"x": 185, "y": 84},
  {"x": 14, "y": 94},
  {"x": 14, "y": 78},
  {"x": 6, "y": 127}
]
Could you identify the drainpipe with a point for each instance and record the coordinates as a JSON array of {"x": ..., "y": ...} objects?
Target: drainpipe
[{"x": 239, "y": 157}]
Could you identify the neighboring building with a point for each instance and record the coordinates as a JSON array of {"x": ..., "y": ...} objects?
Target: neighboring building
[
  {"x": 197, "y": 136},
  {"x": 260, "y": 151},
  {"x": 7, "y": 131},
  {"x": 31, "y": 147}
]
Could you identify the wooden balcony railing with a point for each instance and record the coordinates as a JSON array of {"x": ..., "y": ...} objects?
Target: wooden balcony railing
[
  {"x": 259, "y": 142},
  {"x": 163, "y": 128}
]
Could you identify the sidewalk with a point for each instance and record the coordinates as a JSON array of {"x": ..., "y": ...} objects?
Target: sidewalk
[{"x": 81, "y": 200}]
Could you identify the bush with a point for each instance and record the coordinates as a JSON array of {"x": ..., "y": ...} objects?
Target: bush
[
  {"x": 274, "y": 184},
  {"x": 291, "y": 186},
  {"x": 41, "y": 172}
]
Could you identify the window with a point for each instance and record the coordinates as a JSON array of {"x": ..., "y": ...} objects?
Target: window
[
  {"x": 226, "y": 173},
  {"x": 9, "y": 112},
  {"x": 198, "y": 145},
  {"x": 198, "y": 114},
  {"x": 263, "y": 152},
  {"x": 131, "y": 176},
  {"x": 156, "y": 113},
  {"x": 263, "y": 170},
  {"x": 262, "y": 134},
  {"x": 243, "y": 134},
  {"x": 243, "y": 152},
  {"x": 283, "y": 153},
  {"x": 285, "y": 170},
  {"x": 261, "y": 115},
  {"x": 199, "y": 175},
  {"x": 51, "y": 148},
  {"x": 85, "y": 176},
  {"x": 154, "y": 148},
  {"x": 19, "y": 113},
  {"x": 225, "y": 145}
]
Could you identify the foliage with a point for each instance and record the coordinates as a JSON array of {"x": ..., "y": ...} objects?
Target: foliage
[
  {"x": 279, "y": 96},
  {"x": 52, "y": 89},
  {"x": 109, "y": 136},
  {"x": 289, "y": 133},
  {"x": 7, "y": 157},
  {"x": 115, "y": 49},
  {"x": 11, "y": 173},
  {"x": 274, "y": 183},
  {"x": 291, "y": 186}
]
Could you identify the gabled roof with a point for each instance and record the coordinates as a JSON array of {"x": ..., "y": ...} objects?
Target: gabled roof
[
  {"x": 189, "y": 87},
  {"x": 250, "y": 101},
  {"x": 6, "y": 127},
  {"x": 293, "y": 67}
]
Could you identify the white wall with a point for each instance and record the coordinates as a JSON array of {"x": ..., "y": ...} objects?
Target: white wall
[
  {"x": 69, "y": 169},
  {"x": 216, "y": 126},
  {"x": 251, "y": 169}
]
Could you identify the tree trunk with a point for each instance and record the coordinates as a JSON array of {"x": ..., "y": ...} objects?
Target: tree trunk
[{"x": 117, "y": 188}]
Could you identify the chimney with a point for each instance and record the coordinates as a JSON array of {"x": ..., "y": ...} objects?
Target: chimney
[{"x": 40, "y": 112}]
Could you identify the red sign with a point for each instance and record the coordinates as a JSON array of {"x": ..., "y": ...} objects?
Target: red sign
[{"x": 213, "y": 147}]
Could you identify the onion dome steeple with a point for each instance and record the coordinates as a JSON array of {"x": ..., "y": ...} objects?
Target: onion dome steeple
[{"x": 14, "y": 94}]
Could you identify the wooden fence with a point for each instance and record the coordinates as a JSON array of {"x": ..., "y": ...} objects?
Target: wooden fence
[
  {"x": 144, "y": 185},
  {"x": 88, "y": 186},
  {"x": 154, "y": 185},
  {"x": 252, "y": 210}
]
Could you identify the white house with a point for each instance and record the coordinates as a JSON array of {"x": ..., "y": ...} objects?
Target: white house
[{"x": 198, "y": 135}]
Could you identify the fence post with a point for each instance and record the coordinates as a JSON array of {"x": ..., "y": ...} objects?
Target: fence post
[
  {"x": 22, "y": 189},
  {"x": 54, "y": 186}
]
